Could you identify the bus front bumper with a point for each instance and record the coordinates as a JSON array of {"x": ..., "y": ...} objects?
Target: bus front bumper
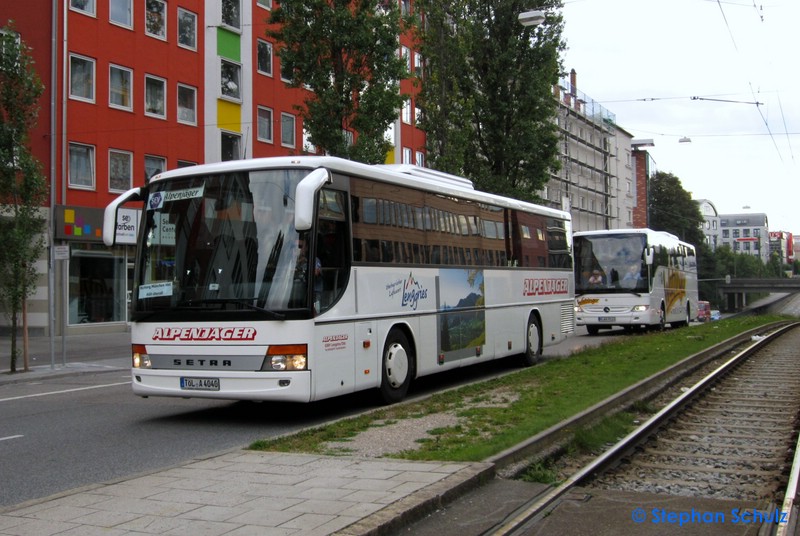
[
  {"x": 648, "y": 317},
  {"x": 261, "y": 386}
]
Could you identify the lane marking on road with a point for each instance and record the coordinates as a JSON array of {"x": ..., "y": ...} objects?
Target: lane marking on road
[
  {"x": 11, "y": 437},
  {"x": 35, "y": 395}
]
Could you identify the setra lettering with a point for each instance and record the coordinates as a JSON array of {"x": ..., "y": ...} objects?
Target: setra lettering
[{"x": 209, "y": 363}]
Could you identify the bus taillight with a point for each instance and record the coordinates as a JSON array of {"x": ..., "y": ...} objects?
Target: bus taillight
[{"x": 287, "y": 357}]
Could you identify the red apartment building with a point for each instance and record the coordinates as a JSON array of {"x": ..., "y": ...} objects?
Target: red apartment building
[{"x": 133, "y": 87}]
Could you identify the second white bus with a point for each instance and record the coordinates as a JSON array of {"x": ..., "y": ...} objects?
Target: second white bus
[
  {"x": 302, "y": 278},
  {"x": 633, "y": 278}
]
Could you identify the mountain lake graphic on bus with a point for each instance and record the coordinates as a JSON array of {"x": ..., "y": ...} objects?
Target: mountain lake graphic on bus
[{"x": 462, "y": 317}]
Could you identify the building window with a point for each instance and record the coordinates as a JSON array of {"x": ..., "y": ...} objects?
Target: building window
[
  {"x": 308, "y": 146},
  {"x": 287, "y": 130},
  {"x": 418, "y": 64},
  {"x": 186, "y": 163},
  {"x": 407, "y": 156},
  {"x": 155, "y": 17},
  {"x": 405, "y": 6},
  {"x": 155, "y": 95},
  {"x": 286, "y": 72},
  {"x": 231, "y": 146},
  {"x": 420, "y": 159},
  {"x": 264, "y": 124},
  {"x": 81, "y": 166},
  {"x": 407, "y": 111},
  {"x": 736, "y": 233},
  {"x": 187, "y": 29},
  {"x": 230, "y": 79},
  {"x": 81, "y": 78},
  {"x": 119, "y": 12},
  {"x": 405, "y": 53},
  {"x": 187, "y": 104},
  {"x": 153, "y": 165},
  {"x": 726, "y": 233},
  {"x": 120, "y": 85},
  {"x": 231, "y": 14},
  {"x": 264, "y": 57},
  {"x": 87, "y": 6},
  {"x": 267, "y": 4},
  {"x": 120, "y": 170}
]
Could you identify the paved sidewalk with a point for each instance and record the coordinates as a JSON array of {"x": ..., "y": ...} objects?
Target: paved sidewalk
[
  {"x": 72, "y": 354},
  {"x": 253, "y": 493}
]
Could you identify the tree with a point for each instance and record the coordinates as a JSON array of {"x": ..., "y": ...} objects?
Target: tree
[
  {"x": 23, "y": 188},
  {"x": 487, "y": 104},
  {"x": 672, "y": 209},
  {"x": 345, "y": 52}
]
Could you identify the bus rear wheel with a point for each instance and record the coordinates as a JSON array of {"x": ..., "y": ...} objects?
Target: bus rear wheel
[
  {"x": 397, "y": 367},
  {"x": 533, "y": 343}
]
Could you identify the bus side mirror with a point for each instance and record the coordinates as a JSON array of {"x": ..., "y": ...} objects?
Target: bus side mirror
[
  {"x": 649, "y": 256},
  {"x": 306, "y": 194},
  {"x": 110, "y": 214}
]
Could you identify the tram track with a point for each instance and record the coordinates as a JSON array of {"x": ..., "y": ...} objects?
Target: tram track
[{"x": 730, "y": 437}]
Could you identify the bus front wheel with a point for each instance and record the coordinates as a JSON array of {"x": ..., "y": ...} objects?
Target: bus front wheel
[
  {"x": 397, "y": 368},
  {"x": 533, "y": 343}
]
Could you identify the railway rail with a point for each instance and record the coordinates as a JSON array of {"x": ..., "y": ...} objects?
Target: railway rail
[{"x": 729, "y": 438}]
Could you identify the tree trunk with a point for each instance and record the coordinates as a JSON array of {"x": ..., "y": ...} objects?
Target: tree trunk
[
  {"x": 25, "y": 346},
  {"x": 13, "y": 365}
]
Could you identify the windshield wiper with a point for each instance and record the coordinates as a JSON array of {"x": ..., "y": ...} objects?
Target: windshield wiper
[{"x": 246, "y": 302}]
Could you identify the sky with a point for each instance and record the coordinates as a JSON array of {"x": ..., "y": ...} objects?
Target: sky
[{"x": 725, "y": 74}]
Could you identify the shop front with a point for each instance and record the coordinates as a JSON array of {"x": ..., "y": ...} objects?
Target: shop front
[{"x": 96, "y": 280}]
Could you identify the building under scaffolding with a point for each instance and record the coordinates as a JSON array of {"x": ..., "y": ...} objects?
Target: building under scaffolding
[{"x": 596, "y": 182}]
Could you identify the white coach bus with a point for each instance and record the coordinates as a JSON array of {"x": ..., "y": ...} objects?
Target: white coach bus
[
  {"x": 633, "y": 278},
  {"x": 302, "y": 278}
]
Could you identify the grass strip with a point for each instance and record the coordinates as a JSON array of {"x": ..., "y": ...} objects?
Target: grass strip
[{"x": 499, "y": 413}]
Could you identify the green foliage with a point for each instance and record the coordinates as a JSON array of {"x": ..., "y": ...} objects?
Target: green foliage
[
  {"x": 488, "y": 108},
  {"x": 23, "y": 187},
  {"x": 672, "y": 209},
  {"x": 345, "y": 51}
]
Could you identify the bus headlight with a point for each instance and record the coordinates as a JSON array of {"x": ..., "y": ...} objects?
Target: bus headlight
[
  {"x": 288, "y": 357},
  {"x": 639, "y": 308},
  {"x": 139, "y": 356}
]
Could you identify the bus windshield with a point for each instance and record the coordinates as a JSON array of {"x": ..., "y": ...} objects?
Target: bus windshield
[
  {"x": 610, "y": 263},
  {"x": 222, "y": 243}
]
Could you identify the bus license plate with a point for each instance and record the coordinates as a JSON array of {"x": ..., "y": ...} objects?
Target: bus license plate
[
  {"x": 200, "y": 384},
  {"x": 606, "y": 318}
]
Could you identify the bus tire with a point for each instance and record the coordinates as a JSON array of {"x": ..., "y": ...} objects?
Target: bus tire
[
  {"x": 662, "y": 321},
  {"x": 397, "y": 367},
  {"x": 533, "y": 342},
  {"x": 591, "y": 329}
]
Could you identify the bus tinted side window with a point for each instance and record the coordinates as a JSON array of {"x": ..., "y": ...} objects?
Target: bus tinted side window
[{"x": 396, "y": 225}]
